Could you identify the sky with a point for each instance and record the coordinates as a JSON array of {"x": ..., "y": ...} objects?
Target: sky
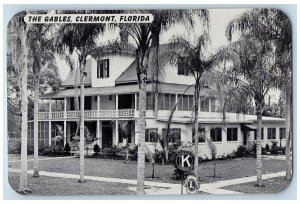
[{"x": 219, "y": 18}]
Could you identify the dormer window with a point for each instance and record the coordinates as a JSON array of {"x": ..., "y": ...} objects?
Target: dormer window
[
  {"x": 102, "y": 68},
  {"x": 182, "y": 70}
]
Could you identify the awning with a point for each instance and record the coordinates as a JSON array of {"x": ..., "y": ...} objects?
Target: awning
[{"x": 249, "y": 127}]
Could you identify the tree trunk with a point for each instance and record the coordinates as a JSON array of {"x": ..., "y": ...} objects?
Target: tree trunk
[
  {"x": 24, "y": 109},
  {"x": 81, "y": 145},
  {"x": 197, "y": 93},
  {"x": 141, "y": 125},
  {"x": 258, "y": 146},
  {"x": 288, "y": 132},
  {"x": 36, "y": 128}
]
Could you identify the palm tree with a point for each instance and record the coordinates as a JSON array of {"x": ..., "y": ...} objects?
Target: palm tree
[
  {"x": 192, "y": 59},
  {"x": 146, "y": 38},
  {"x": 79, "y": 39},
  {"x": 272, "y": 25},
  {"x": 40, "y": 52},
  {"x": 18, "y": 30}
]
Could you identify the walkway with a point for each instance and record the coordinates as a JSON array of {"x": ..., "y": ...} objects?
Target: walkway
[{"x": 158, "y": 188}]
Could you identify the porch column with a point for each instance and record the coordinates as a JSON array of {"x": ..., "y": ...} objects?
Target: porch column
[
  {"x": 98, "y": 102},
  {"x": 133, "y": 132},
  {"x": 117, "y": 105},
  {"x": 65, "y": 132},
  {"x": 49, "y": 133},
  {"x": 135, "y": 101},
  {"x": 176, "y": 100},
  {"x": 117, "y": 132},
  {"x": 65, "y": 108},
  {"x": 209, "y": 105},
  {"x": 68, "y": 132},
  {"x": 98, "y": 132},
  {"x": 50, "y": 104}
]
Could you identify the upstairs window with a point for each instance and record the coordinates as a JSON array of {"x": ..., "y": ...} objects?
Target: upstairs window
[
  {"x": 182, "y": 70},
  {"x": 166, "y": 101},
  {"x": 204, "y": 104},
  {"x": 185, "y": 102},
  {"x": 214, "y": 105},
  {"x": 102, "y": 68}
]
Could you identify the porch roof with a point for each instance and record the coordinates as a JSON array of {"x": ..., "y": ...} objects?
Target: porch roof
[
  {"x": 248, "y": 120},
  {"x": 123, "y": 89}
]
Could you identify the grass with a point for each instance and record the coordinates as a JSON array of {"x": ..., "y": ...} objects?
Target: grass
[
  {"x": 274, "y": 185},
  {"x": 226, "y": 169},
  {"x": 50, "y": 186}
]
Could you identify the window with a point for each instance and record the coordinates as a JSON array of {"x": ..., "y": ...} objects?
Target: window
[
  {"x": 204, "y": 105},
  {"x": 216, "y": 134},
  {"x": 166, "y": 101},
  {"x": 214, "y": 105},
  {"x": 201, "y": 137},
  {"x": 185, "y": 102},
  {"x": 282, "y": 133},
  {"x": 271, "y": 133},
  {"x": 232, "y": 134},
  {"x": 150, "y": 103},
  {"x": 151, "y": 135},
  {"x": 262, "y": 134},
  {"x": 102, "y": 68},
  {"x": 174, "y": 134},
  {"x": 182, "y": 70}
]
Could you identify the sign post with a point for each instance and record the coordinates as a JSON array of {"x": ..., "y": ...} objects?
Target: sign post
[{"x": 185, "y": 163}]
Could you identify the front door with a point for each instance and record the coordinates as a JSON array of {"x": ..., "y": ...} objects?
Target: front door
[{"x": 107, "y": 136}]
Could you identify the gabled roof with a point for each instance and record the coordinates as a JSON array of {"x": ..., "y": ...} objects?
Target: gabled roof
[
  {"x": 74, "y": 77},
  {"x": 130, "y": 75}
]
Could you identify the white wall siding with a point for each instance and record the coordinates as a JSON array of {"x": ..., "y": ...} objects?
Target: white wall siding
[{"x": 117, "y": 65}]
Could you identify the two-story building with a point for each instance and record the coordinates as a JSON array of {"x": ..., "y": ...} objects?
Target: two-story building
[{"x": 111, "y": 96}]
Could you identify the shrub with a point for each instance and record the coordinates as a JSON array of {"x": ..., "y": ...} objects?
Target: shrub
[
  {"x": 267, "y": 148},
  {"x": 53, "y": 150},
  {"x": 96, "y": 149},
  {"x": 242, "y": 152},
  {"x": 14, "y": 146},
  {"x": 67, "y": 149}
]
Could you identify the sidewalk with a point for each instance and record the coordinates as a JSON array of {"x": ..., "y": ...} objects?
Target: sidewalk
[{"x": 157, "y": 188}]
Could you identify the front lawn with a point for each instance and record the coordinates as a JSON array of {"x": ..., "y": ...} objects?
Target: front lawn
[
  {"x": 50, "y": 186},
  {"x": 274, "y": 185},
  {"x": 226, "y": 169}
]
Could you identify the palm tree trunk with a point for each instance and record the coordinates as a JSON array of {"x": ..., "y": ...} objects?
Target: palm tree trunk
[
  {"x": 258, "y": 146},
  {"x": 81, "y": 145},
  {"x": 141, "y": 125},
  {"x": 197, "y": 93},
  {"x": 288, "y": 133},
  {"x": 36, "y": 128},
  {"x": 24, "y": 109}
]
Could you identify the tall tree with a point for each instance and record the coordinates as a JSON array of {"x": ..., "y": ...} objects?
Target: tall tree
[
  {"x": 79, "y": 38},
  {"x": 272, "y": 25},
  {"x": 146, "y": 38},
  {"x": 191, "y": 57},
  {"x": 17, "y": 44},
  {"x": 39, "y": 44}
]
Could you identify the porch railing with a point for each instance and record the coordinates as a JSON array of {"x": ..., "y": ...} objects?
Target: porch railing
[{"x": 123, "y": 113}]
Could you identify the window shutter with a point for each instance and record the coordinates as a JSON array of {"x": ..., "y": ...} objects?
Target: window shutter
[
  {"x": 107, "y": 68},
  {"x": 101, "y": 68}
]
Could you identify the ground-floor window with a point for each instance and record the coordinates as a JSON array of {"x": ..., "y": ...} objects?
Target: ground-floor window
[
  {"x": 216, "y": 134},
  {"x": 151, "y": 135},
  {"x": 262, "y": 134},
  {"x": 271, "y": 133},
  {"x": 174, "y": 135},
  {"x": 201, "y": 137},
  {"x": 282, "y": 133},
  {"x": 232, "y": 134}
]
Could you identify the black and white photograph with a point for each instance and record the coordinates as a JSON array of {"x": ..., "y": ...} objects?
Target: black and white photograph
[{"x": 149, "y": 102}]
